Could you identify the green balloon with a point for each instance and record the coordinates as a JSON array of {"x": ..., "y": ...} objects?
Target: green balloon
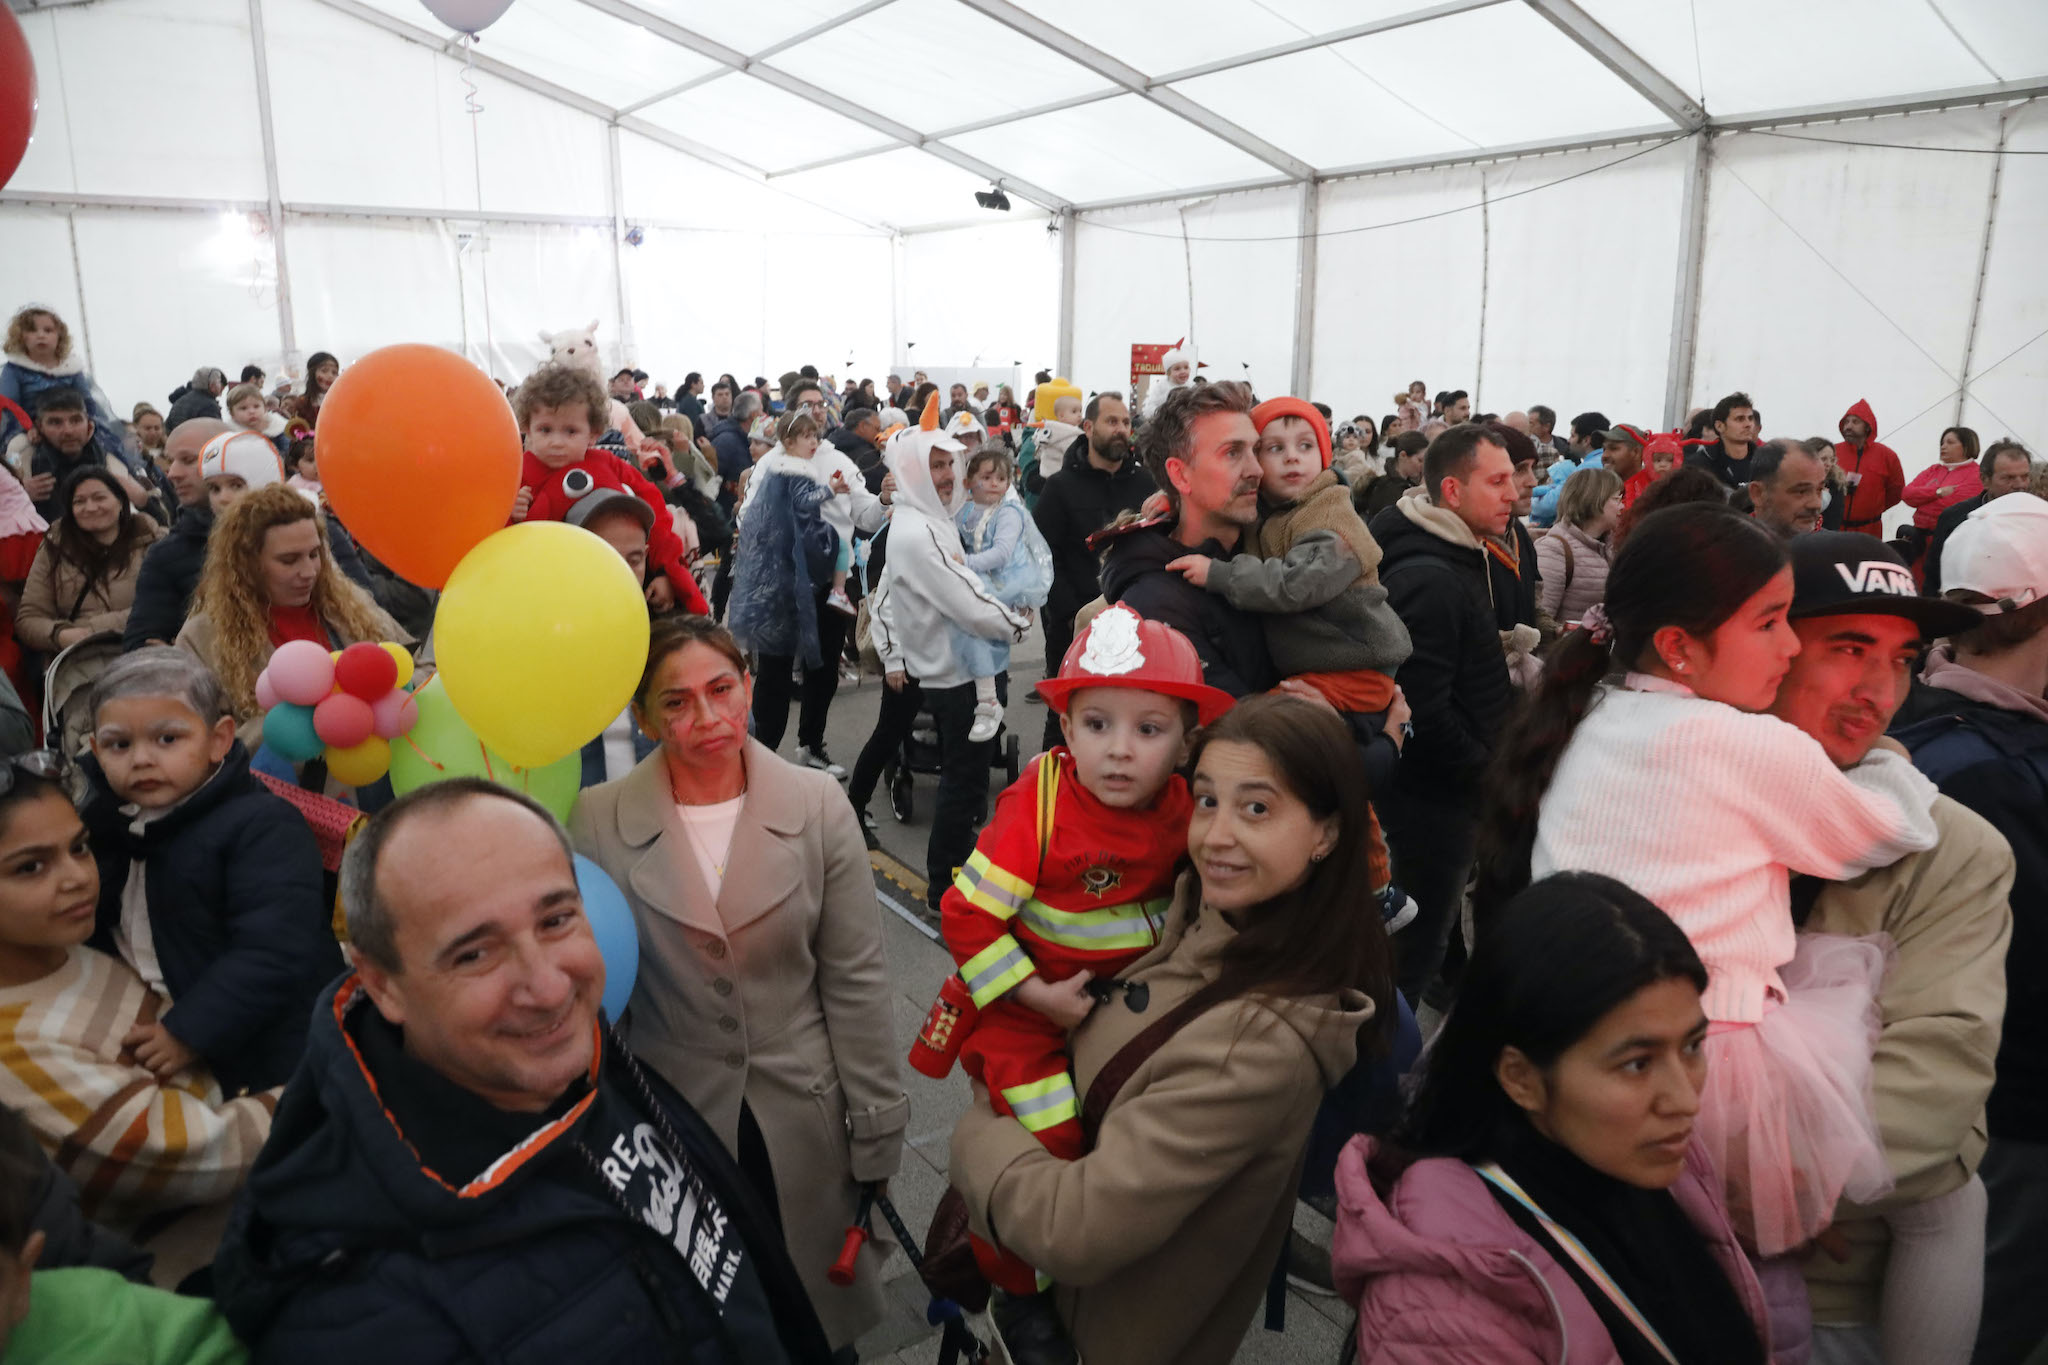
[{"x": 442, "y": 746}]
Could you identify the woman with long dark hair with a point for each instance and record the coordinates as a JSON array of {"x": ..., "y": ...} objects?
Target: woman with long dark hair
[
  {"x": 322, "y": 369},
  {"x": 1162, "y": 1238},
  {"x": 1543, "y": 1199}
]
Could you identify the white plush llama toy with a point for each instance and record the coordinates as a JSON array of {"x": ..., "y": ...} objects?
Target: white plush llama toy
[{"x": 578, "y": 347}]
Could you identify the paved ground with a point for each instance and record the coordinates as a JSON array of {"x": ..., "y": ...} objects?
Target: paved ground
[{"x": 917, "y": 963}]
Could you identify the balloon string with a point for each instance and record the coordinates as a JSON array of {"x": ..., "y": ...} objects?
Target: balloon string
[
  {"x": 488, "y": 770},
  {"x": 425, "y": 757},
  {"x": 470, "y": 103}
]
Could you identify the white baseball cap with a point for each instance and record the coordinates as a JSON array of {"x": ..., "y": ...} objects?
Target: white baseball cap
[
  {"x": 246, "y": 455},
  {"x": 2000, "y": 551}
]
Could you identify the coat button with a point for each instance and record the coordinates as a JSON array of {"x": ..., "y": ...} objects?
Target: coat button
[
  {"x": 735, "y": 1060},
  {"x": 728, "y": 1024},
  {"x": 716, "y": 947},
  {"x": 722, "y": 986}
]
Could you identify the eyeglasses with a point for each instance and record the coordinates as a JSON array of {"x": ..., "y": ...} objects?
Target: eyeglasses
[{"x": 47, "y": 764}]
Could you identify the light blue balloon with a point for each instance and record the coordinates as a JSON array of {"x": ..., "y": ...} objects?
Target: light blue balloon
[
  {"x": 288, "y": 729},
  {"x": 618, "y": 938}
]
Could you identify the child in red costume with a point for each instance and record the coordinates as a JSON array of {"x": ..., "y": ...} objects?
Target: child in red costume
[
  {"x": 1070, "y": 881},
  {"x": 560, "y": 410}
]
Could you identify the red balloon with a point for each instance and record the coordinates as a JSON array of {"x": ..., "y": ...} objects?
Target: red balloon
[
  {"x": 17, "y": 94},
  {"x": 343, "y": 721},
  {"x": 366, "y": 670}
]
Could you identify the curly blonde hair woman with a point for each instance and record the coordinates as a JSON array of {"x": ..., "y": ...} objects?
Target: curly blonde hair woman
[{"x": 270, "y": 578}]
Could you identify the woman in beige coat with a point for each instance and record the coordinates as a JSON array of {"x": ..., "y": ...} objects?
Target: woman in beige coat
[
  {"x": 82, "y": 585},
  {"x": 1161, "y": 1240},
  {"x": 762, "y": 994},
  {"x": 1573, "y": 557}
]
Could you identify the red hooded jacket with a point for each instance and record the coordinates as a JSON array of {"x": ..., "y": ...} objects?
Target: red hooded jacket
[{"x": 1877, "y": 480}]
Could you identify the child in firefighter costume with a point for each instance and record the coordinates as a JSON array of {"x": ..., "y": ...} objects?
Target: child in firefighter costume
[{"x": 1069, "y": 882}]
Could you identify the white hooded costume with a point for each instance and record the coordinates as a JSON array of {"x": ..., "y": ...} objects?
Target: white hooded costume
[
  {"x": 925, "y": 585},
  {"x": 1156, "y": 393}
]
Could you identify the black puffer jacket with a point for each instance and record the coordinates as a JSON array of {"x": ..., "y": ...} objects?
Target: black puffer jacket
[
  {"x": 347, "y": 1245},
  {"x": 1456, "y": 680},
  {"x": 167, "y": 579},
  {"x": 238, "y": 913},
  {"x": 1078, "y": 501},
  {"x": 1232, "y": 643}
]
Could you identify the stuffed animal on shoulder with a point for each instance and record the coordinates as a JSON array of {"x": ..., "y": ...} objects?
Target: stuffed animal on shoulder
[{"x": 578, "y": 347}]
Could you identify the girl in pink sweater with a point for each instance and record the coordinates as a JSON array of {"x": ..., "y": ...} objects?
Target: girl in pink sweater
[{"x": 1646, "y": 757}]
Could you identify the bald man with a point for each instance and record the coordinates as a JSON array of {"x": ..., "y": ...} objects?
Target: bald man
[
  {"x": 1518, "y": 420},
  {"x": 170, "y": 571}
]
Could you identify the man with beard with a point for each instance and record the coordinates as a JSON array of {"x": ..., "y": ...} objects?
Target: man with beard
[
  {"x": 1785, "y": 488},
  {"x": 1097, "y": 481}
]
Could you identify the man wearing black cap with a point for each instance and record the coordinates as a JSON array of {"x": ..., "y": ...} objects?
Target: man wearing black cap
[{"x": 1861, "y": 628}]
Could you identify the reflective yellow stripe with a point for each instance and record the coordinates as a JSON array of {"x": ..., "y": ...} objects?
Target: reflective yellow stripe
[
  {"x": 995, "y": 970},
  {"x": 1040, "y": 1105},
  {"x": 988, "y": 887},
  {"x": 1111, "y": 928}
]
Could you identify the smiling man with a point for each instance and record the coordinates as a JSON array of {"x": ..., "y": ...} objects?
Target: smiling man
[
  {"x": 1861, "y": 628},
  {"x": 467, "y": 1164},
  {"x": 1199, "y": 450}
]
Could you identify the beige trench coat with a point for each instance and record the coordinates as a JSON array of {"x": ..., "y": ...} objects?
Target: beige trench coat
[
  {"x": 1161, "y": 1239},
  {"x": 775, "y": 994}
]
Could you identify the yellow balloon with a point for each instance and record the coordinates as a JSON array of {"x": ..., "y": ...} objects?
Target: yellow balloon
[
  {"x": 540, "y": 638},
  {"x": 361, "y": 765},
  {"x": 400, "y": 657}
]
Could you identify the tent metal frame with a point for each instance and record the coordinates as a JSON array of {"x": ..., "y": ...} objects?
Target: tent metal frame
[{"x": 1686, "y": 117}]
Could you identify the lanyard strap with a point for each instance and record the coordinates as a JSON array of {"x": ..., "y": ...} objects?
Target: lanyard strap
[{"x": 1574, "y": 1248}]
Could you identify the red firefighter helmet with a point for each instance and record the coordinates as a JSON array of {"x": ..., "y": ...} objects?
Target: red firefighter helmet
[{"x": 1122, "y": 649}]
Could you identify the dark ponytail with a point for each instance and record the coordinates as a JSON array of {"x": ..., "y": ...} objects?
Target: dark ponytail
[{"x": 1690, "y": 566}]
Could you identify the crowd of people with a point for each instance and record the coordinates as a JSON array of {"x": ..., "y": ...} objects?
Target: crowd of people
[{"x": 1593, "y": 865}]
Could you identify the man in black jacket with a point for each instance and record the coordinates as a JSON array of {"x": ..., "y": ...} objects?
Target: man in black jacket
[
  {"x": 2006, "y": 468},
  {"x": 1437, "y": 578},
  {"x": 469, "y": 1167},
  {"x": 1096, "y": 482},
  {"x": 1199, "y": 450},
  {"x": 1976, "y": 724},
  {"x": 170, "y": 571},
  {"x": 859, "y": 437},
  {"x": 1727, "y": 459}
]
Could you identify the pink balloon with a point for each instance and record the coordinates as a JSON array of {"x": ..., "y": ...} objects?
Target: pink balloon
[
  {"x": 396, "y": 713},
  {"x": 343, "y": 721},
  {"x": 266, "y": 691},
  {"x": 302, "y": 673}
]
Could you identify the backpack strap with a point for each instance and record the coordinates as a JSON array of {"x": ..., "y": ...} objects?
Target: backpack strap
[{"x": 1570, "y": 560}]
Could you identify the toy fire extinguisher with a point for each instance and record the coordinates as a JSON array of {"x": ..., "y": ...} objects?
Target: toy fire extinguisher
[{"x": 945, "y": 1029}]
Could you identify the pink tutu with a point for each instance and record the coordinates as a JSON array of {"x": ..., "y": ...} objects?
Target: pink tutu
[{"x": 1787, "y": 1113}]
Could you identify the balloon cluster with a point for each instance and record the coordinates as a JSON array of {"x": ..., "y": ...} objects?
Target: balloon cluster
[{"x": 347, "y": 706}]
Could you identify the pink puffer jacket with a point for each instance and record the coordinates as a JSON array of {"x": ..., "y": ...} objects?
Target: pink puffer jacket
[{"x": 1441, "y": 1275}]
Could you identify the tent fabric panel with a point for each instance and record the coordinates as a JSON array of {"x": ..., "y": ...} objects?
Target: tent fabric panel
[
  {"x": 679, "y": 190},
  {"x": 760, "y": 125},
  {"x": 1833, "y": 273},
  {"x": 1113, "y": 147},
  {"x": 1135, "y": 288},
  {"x": 1193, "y": 32},
  {"x": 1755, "y": 55},
  {"x": 106, "y": 78},
  {"x": 974, "y": 68},
  {"x": 396, "y": 94},
  {"x": 533, "y": 155},
  {"x": 979, "y": 297},
  {"x": 534, "y": 280},
  {"x": 2009, "y": 364},
  {"x": 906, "y": 188},
  {"x": 749, "y": 28},
  {"x": 825, "y": 302},
  {"x": 199, "y": 287},
  {"x": 415, "y": 264},
  {"x": 1371, "y": 284},
  {"x": 586, "y": 50},
  {"x": 35, "y": 268}
]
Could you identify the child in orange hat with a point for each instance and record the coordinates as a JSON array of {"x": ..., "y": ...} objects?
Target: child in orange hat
[{"x": 1311, "y": 569}]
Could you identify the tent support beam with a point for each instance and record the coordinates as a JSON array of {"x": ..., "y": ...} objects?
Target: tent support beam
[
  {"x": 1608, "y": 50},
  {"x": 1305, "y": 287},
  {"x": 287, "y": 328},
  {"x": 1996, "y": 93},
  {"x": 1685, "y": 302},
  {"x": 1070, "y": 228},
  {"x": 616, "y": 183},
  {"x": 1020, "y": 20},
  {"x": 1983, "y": 264},
  {"x": 817, "y": 95}
]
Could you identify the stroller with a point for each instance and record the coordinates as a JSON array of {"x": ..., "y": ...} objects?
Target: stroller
[
  {"x": 920, "y": 755},
  {"x": 67, "y": 690}
]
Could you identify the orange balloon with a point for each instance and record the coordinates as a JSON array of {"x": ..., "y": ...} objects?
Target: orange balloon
[{"x": 419, "y": 456}]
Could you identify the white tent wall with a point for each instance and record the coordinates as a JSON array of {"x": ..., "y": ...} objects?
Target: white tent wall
[
  {"x": 981, "y": 297},
  {"x": 2009, "y": 361},
  {"x": 1228, "y": 287}
]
